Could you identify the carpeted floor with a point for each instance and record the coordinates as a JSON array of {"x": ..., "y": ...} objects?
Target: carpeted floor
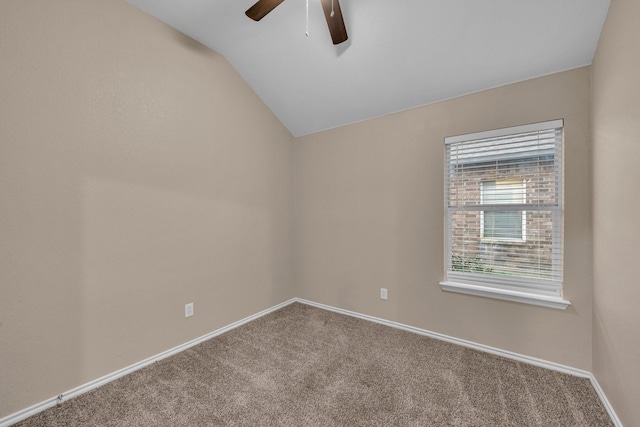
[{"x": 303, "y": 366}]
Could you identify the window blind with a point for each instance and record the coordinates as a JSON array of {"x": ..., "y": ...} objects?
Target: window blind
[{"x": 504, "y": 208}]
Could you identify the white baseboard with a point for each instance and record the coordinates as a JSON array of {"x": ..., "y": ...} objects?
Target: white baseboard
[
  {"x": 49, "y": 403},
  {"x": 603, "y": 398},
  {"x": 480, "y": 347}
]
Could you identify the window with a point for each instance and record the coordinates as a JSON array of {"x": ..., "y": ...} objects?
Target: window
[
  {"x": 504, "y": 225},
  {"x": 504, "y": 217}
]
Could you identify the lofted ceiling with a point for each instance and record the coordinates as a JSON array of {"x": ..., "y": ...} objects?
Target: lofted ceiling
[{"x": 400, "y": 54}]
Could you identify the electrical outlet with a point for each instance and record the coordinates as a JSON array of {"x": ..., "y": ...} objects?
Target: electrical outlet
[
  {"x": 383, "y": 293},
  {"x": 188, "y": 310}
]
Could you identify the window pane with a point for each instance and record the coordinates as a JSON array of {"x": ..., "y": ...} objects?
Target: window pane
[
  {"x": 503, "y": 192},
  {"x": 503, "y": 225},
  {"x": 533, "y": 258}
]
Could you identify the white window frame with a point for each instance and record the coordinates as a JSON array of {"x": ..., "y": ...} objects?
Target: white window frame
[{"x": 529, "y": 291}]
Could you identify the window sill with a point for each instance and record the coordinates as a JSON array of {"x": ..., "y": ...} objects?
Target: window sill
[{"x": 508, "y": 295}]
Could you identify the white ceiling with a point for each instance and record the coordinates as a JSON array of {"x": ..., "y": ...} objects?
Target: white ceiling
[{"x": 400, "y": 54}]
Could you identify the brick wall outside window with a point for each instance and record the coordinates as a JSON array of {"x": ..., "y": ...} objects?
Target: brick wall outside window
[{"x": 531, "y": 257}]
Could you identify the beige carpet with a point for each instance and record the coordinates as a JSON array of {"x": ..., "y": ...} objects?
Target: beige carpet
[{"x": 303, "y": 366}]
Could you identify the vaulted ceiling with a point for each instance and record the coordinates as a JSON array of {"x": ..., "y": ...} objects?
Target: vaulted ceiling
[{"x": 400, "y": 54}]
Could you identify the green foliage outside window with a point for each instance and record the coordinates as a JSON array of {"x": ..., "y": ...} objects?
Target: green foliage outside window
[{"x": 469, "y": 264}]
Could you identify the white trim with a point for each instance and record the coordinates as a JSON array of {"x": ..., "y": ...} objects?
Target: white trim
[
  {"x": 49, "y": 403},
  {"x": 53, "y": 401},
  {"x": 496, "y": 133},
  {"x": 605, "y": 402},
  {"x": 506, "y": 294},
  {"x": 480, "y": 347}
]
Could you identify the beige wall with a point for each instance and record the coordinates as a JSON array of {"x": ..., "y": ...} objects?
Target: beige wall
[
  {"x": 616, "y": 209},
  {"x": 369, "y": 214},
  {"x": 138, "y": 172}
]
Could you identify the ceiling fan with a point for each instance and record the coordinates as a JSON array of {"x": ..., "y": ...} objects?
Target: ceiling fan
[{"x": 332, "y": 13}]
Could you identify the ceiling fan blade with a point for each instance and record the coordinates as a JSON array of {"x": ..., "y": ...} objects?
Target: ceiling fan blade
[
  {"x": 335, "y": 22},
  {"x": 261, "y": 8}
]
